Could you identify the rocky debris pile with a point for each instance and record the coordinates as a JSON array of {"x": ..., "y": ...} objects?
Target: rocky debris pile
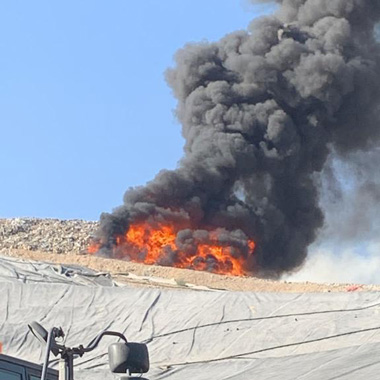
[{"x": 48, "y": 235}]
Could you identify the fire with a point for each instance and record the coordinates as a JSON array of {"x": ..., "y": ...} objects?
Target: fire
[
  {"x": 93, "y": 248},
  {"x": 149, "y": 245}
]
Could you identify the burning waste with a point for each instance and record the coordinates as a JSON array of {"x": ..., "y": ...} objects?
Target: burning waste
[
  {"x": 201, "y": 250},
  {"x": 261, "y": 111}
]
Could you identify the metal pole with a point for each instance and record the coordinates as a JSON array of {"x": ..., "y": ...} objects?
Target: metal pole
[
  {"x": 66, "y": 367},
  {"x": 47, "y": 354},
  {"x": 70, "y": 366},
  {"x": 62, "y": 370}
]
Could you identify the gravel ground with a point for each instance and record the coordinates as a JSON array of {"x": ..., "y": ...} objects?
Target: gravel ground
[
  {"x": 42, "y": 239},
  {"x": 48, "y": 235}
]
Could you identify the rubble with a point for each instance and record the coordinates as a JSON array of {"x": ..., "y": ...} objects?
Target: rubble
[
  {"x": 41, "y": 240},
  {"x": 47, "y": 235}
]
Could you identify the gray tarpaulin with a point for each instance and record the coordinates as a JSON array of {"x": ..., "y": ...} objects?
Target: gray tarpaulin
[
  {"x": 28, "y": 271},
  {"x": 203, "y": 335}
]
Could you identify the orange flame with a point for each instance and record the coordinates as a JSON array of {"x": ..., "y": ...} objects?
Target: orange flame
[
  {"x": 93, "y": 248},
  {"x": 146, "y": 244}
]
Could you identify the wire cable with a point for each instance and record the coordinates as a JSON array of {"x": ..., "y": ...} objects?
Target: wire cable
[
  {"x": 147, "y": 341},
  {"x": 241, "y": 355}
]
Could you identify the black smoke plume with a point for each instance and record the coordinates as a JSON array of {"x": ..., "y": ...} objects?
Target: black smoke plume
[{"x": 261, "y": 111}]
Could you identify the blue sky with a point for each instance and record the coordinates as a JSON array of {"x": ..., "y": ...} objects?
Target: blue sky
[{"x": 85, "y": 112}]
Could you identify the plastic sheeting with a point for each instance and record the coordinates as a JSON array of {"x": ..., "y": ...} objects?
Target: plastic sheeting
[
  {"x": 28, "y": 271},
  {"x": 203, "y": 335}
]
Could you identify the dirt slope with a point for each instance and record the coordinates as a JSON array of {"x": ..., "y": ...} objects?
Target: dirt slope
[
  {"x": 65, "y": 242},
  {"x": 128, "y": 272}
]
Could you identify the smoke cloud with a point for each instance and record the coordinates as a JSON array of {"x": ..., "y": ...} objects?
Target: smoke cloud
[
  {"x": 261, "y": 111},
  {"x": 348, "y": 246},
  {"x": 351, "y": 199},
  {"x": 337, "y": 265}
]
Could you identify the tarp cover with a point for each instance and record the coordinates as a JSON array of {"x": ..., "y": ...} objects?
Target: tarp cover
[
  {"x": 199, "y": 334},
  {"x": 28, "y": 271}
]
